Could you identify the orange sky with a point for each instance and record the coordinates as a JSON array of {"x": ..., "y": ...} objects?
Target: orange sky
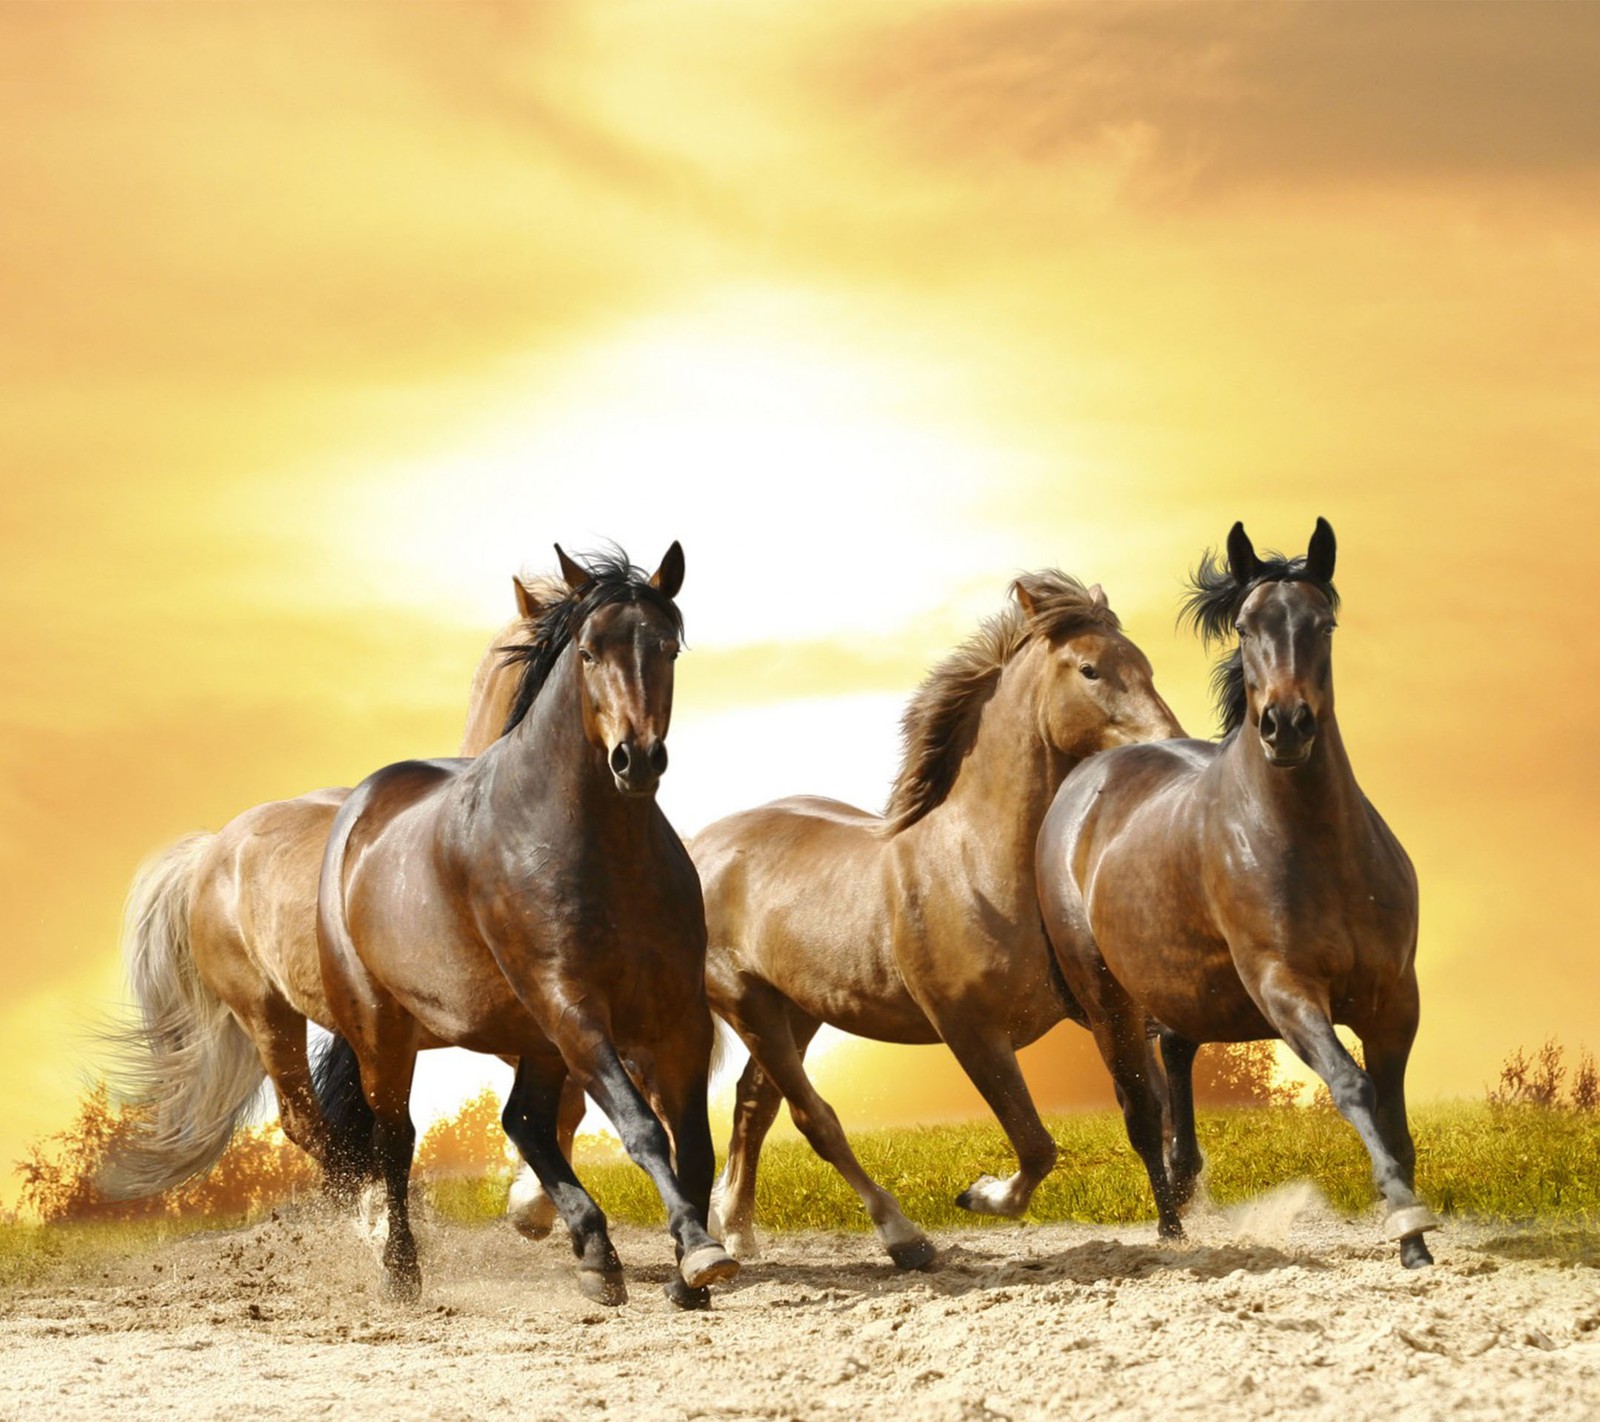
[{"x": 320, "y": 320}]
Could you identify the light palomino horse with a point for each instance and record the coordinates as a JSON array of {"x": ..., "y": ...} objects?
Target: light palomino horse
[
  {"x": 220, "y": 945},
  {"x": 1245, "y": 889},
  {"x": 921, "y": 925}
]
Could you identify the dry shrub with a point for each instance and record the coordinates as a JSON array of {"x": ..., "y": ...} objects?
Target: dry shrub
[
  {"x": 1240, "y": 1074},
  {"x": 469, "y": 1143},
  {"x": 260, "y": 1169},
  {"x": 1537, "y": 1080},
  {"x": 1585, "y": 1094}
]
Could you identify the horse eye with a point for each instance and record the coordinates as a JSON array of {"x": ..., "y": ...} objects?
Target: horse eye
[
  {"x": 586, "y": 656},
  {"x": 1328, "y": 630},
  {"x": 1089, "y": 673},
  {"x": 1239, "y": 628}
]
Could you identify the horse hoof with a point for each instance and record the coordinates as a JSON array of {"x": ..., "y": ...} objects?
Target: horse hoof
[
  {"x": 710, "y": 1264},
  {"x": 741, "y": 1243},
  {"x": 1173, "y": 1231},
  {"x": 1411, "y": 1219},
  {"x": 918, "y": 1253},
  {"x": 402, "y": 1285},
  {"x": 684, "y": 1297},
  {"x": 603, "y": 1286},
  {"x": 1414, "y": 1252}
]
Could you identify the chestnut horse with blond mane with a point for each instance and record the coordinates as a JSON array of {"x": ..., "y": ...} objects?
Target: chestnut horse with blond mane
[
  {"x": 1244, "y": 889},
  {"x": 921, "y": 925}
]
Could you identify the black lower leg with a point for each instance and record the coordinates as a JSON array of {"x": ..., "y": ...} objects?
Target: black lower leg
[
  {"x": 1184, "y": 1161},
  {"x": 531, "y": 1119},
  {"x": 392, "y": 1144}
]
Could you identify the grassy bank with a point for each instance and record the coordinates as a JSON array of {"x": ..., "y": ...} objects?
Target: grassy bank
[
  {"x": 1509, "y": 1163},
  {"x": 1516, "y": 1164}
]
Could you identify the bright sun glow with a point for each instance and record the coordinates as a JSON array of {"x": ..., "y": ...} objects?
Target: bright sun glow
[{"x": 752, "y": 430}]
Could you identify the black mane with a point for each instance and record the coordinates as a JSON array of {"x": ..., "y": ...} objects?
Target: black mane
[
  {"x": 1212, "y": 607},
  {"x": 612, "y": 579}
]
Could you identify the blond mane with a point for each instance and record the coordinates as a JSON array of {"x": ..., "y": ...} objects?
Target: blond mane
[{"x": 940, "y": 723}]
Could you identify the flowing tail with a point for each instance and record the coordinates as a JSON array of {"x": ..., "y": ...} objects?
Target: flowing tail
[
  {"x": 189, "y": 1067},
  {"x": 336, "y": 1078}
]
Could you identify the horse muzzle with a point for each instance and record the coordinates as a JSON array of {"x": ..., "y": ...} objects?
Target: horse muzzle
[
  {"x": 637, "y": 767},
  {"x": 1288, "y": 733}
]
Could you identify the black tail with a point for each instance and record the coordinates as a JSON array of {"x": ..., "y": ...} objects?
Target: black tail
[{"x": 336, "y": 1078}]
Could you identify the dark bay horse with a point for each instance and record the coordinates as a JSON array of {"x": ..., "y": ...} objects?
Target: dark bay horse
[
  {"x": 921, "y": 925},
  {"x": 221, "y": 951},
  {"x": 535, "y": 903},
  {"x": 1245, "y": 889}
]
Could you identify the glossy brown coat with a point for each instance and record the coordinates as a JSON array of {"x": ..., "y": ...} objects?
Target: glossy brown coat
[
  {"x": 920, "y": 926},
  {"x": 1244, "y": 890}
]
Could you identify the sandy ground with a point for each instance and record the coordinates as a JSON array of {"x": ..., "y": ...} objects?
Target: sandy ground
[{"x": 1276, "y": 1310}]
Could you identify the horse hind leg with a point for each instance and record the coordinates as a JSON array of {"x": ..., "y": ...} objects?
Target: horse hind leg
[
  {"x": 532, "y": 1119},
  {"x": 1183, "y": 1158},
  {"x": 529, "y": 1209},
  {"x": 1119, "y": 1032},
  {"x": 755, "y": 1108},
  {"x": 764, "y": 1023}
]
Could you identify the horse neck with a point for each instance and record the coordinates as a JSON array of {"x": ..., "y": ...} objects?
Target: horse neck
[
  {"x": 1009, "y": 777},
  {"x": 547, "y": 757},
  {"x": 1320, "y": 798}
]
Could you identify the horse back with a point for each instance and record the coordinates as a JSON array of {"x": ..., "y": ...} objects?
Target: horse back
[{"x": 253, "y": 911}]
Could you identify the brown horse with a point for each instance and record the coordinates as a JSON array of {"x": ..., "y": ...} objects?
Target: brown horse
[
  {"x": 921, "y": 925},
  {"x": 221, "y": 950},
  {"x": 1245, "y": 889},
  {"x": 535, "y": 903}
]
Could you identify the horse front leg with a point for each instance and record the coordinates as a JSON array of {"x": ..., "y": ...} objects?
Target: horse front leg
[
  {"x": 593, "y": 1059},
  {"x": 1299, "y": 1013},
  {"x": 1387, "y": 1048},
  {"x": 989, "y": 1059}
]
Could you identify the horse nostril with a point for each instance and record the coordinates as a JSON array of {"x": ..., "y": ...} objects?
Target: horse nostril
[
  {"x": 1269, "y": 725},
  {"x": 1304, "y": 722},
  {"x": 658, "y": 758},
  {"x": 619, "y": 760}
]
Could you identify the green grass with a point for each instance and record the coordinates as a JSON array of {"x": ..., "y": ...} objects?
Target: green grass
[
  {"x": 29, "y": 1252},
  {"x": 1513, "y": 1164},
  {"x": 1535, "y": 1170}
]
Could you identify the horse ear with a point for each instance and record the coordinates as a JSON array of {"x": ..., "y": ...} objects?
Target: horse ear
[
  {"x": 527, "y": 607},
  {"x": 1319, "y": 556},
  {"x": 668, "y": 578},
  {"x": 1242, "y": 560},
  {"x": 1097, "y": 597},
  {"x": 577, "y": 579},
  {"x": 1024, "y": 599}
]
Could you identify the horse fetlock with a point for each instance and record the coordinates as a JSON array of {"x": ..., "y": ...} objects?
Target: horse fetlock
[{"x": 989, "y": 1196}]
